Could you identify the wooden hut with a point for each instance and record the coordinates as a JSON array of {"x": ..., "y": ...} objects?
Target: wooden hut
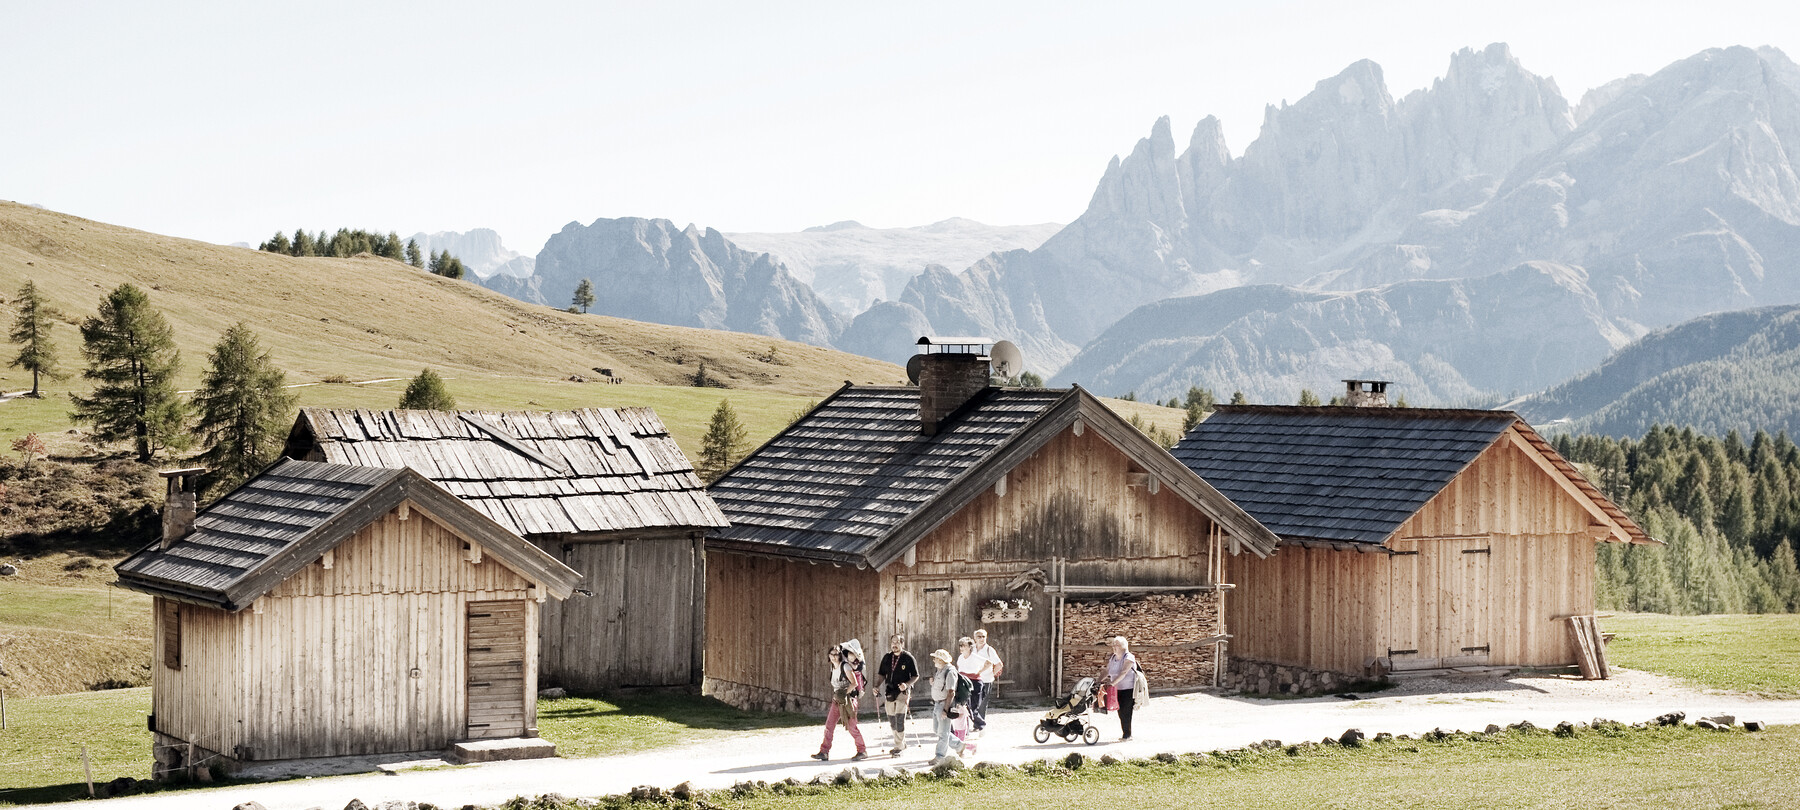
[
  {"x": 898, "y": 509},
  {"x": 321, "y": 610},
  {"x": 606, "y": 491},
  {"x": 1411, "y": 539}
]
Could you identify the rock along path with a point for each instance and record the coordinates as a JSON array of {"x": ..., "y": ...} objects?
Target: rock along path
[{"x": 1174, "y": 724}]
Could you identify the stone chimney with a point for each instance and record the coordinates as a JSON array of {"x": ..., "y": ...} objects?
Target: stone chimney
[
  {"x": 1366, "y": 393},
  {"x": 951, "y": 372},
  {"x": 182, "y": 504}
]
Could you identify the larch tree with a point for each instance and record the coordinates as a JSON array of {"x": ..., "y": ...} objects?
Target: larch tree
[
  {"x": 132, "y": 359},
  {"x": 723, "y": 443},
  {"x": 415, "y": 256},
  {"x": 243, "y": 410},
  {"x": 427, "y": 392},
  {"x": 1307, "y": 397},
  {"x": 31, "y": 330},
  {"x": 584, "y": 295}
]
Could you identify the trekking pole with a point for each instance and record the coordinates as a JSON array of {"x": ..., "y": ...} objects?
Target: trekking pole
[{"x": 87, "y": 769}]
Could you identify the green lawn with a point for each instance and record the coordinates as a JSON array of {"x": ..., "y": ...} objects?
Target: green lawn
[
  {"x": 40, "y": 749},
  {"x": 1686, "y": 768},
  {"x": 1758, "y": 654}
]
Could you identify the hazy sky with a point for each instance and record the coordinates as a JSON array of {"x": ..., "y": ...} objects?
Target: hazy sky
[{"x": 229, "y": 121}]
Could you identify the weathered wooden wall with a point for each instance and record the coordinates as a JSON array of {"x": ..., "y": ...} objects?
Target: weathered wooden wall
[
  {"x": 1072, "y": 499},
  {"x": 1336, "y": 610},
  {"x": 769, "y": 623},
  {"x": 638, "y": 627},
  {"x": 323, "y": 665}
]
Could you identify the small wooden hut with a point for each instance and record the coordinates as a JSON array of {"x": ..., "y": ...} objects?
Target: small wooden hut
[
  {"x": 897, "y": 509},
  {"x": 606, "y": 491},
  {"x": 320, "y": 610},
  {"x": 1411, "y": 538}
]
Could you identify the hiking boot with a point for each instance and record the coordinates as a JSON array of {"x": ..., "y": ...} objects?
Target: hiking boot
[
  {"x": 895, "y": 751},
  {"x": 860, "y": 756},
  {"x": 821, "y": 756}
]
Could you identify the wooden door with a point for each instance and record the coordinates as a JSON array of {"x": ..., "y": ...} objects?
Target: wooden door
[
  {"x": 926, "y": 610},
  {"x": 1403, "y": 604},
  {"x": 495, "y": 655},
  {"x": 1462, "y": 582},
  {"x": 659, "y": 613},
  {"x": 583, "y": 644}
]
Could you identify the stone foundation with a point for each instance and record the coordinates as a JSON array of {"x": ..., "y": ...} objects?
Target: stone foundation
[
  {"x": 1263, "y": 678},
  {"x": 173, "y": 759},
  {"x": 761, "y": 699},
  {"x": 1157, "y": 628}
]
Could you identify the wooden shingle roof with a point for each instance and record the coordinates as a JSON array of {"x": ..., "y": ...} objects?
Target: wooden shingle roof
[
  {"x": 1353, "y": 475},
  {"x": 536, "y": 473},
  {"x": 856, "y": 481},
  {"x": 253, "y": 538}
]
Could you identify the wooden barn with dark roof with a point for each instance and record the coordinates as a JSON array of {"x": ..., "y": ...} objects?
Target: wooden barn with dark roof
[
  {"x": 898, "y": 509},
  {"x": 1411, "y": 538},
  {"x": 321, "y": 610},
  {"x": 606, "y": 491}
]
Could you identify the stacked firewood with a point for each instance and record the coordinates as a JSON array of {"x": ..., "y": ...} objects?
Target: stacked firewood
[{"x": 1161, "y": 628}]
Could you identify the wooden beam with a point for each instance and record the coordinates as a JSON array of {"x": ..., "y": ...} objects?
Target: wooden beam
[{"x": 404, "y": 510}]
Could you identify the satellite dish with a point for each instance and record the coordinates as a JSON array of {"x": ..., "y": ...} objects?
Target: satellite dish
[
  {"x": 913, "y": 365},
  {"x": 1007, "y": 361}
]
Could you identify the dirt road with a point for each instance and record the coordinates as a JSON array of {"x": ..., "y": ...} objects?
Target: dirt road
[{"x": 1175, "y": 724}]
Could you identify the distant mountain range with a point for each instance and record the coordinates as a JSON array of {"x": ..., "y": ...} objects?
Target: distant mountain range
[
  {"x": 1473, "y": 241},
  {"x": 1733, "y": 370},
  {"x": 852, "y": 265},
  {"x": 479, "y": 249}
]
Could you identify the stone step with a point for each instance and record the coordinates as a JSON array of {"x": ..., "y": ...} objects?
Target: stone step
[{"x": 499, "y": 750}]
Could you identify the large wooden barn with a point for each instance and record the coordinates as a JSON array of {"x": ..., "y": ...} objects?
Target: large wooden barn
[
  {"x": 1411, "y": 538},
  {"x": 898, "y": 509},
  {"x": 320, "y": 610},
  {"x": 606, "y": 491}
]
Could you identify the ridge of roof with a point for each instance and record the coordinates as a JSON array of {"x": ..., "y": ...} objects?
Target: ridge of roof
[{"x": 1369, "y": 412}]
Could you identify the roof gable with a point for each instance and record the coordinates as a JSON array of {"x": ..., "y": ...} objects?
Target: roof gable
[
  {"x": 1356, "y": 475},
  {"x": 256, "y": 536},
  {"x": 535, "y": 473},
  {"x": 856, "y": 480}
]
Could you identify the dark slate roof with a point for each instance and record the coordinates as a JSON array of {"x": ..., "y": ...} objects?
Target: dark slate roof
[
  {"x": 247, "y": 542},
  {"x": 855, "y": 480},
  {"x": 1334, "y": 473},
  {"x": 536, "y": 473}
]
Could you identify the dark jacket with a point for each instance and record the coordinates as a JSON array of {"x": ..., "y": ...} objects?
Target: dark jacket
[{"x": 896, "y": 670}]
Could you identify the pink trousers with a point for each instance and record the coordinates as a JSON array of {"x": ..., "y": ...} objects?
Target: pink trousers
[{"x": 844, "y": 710}]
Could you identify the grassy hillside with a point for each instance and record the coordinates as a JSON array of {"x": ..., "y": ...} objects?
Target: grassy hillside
[
  {"x": 1723, "y": 371},
  {"x": 368, "y": 318}
]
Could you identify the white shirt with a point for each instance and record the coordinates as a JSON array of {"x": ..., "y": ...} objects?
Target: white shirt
[{"x": 979, "y": 663}]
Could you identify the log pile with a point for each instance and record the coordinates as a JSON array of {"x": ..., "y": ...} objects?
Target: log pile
[{"x": 1162, "y": 628}]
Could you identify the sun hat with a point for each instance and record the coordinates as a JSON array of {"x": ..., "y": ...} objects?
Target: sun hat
[{"x": 940, "y": 655}]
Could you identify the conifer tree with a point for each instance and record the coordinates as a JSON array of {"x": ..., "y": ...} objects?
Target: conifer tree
[
  {"x": 1784, "y": 577},
  {"x": 132, "y": 359},
  {"x": 584, "y": 295},
  {"x": 1238, "y": 398},
  {"x": 1307, "y": 397},
  {"x": 391, "y": 249},
  {"x": 723, "y": 443},
  {"x": 31, "y": 330},
  {"x": 415, "y": 256},
  {"x": 1198, "y": 403},
  {"x": 427, "y": 392},
  {"x": 243, "y": 410}
]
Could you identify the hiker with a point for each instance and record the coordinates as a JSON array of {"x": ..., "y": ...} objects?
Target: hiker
[
  {"x": 846, "y": 687},
  {"x": 980, "y": 663},
  {"x": 1121, "y": 679},
  {"x": 897, "y": 672},
  {"x": 943, "y": 705}
]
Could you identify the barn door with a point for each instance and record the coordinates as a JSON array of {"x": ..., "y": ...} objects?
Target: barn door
[
  {"x": 495, "y": 685},
  {"x": 659, "y": 611},
  {"x": 926, "y": 611},
  {"x": 1462, "y": 573},
  {"x": 1403, "y": 604}
]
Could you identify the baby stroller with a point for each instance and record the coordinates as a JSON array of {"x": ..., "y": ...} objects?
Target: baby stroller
[{"x": 1066, "y": 719}]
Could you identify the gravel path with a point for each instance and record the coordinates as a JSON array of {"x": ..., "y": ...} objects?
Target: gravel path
[{"x": 1176, "y": 724}]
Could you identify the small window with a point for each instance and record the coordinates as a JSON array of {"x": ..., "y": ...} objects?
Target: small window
[{"x": 171, "y": 635}]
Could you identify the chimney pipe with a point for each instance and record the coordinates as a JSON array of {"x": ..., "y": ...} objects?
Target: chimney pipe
[
  {"x": 949, "y": 378},
  {"x": 1366, "y": 393},
  {"x": 182, "y": 504}
]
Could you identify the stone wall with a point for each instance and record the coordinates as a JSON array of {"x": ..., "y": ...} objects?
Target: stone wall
[
  {"x": 761, "y": 699},
  {"x": 1263, "y": 678},
  {"x": 1157, "y": 627}
]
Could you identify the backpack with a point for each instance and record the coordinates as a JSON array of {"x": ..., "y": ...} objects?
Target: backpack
[{"x": 963, "y": 688}]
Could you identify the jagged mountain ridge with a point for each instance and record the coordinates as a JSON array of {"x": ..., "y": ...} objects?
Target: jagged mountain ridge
[
  {"x": 1667, "y": 197},
  {"x": 480, "y": 249},
  {"x": 1732, "y": 370},
  {"x": 652, "y": 270}
]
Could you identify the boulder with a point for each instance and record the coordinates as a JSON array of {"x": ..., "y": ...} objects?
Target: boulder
[
  {"x": 1724, "y": 720},
  {"x": 553, "y": 693},
  {"x": 1670, "y": 719},
  {"x": 1753, "y": 725},
  {"x": 1352, "y": 737},
  {"x": 249, "y": 806}
]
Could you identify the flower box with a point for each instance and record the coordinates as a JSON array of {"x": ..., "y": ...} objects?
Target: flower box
[{"x": 990, "y": 615}]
